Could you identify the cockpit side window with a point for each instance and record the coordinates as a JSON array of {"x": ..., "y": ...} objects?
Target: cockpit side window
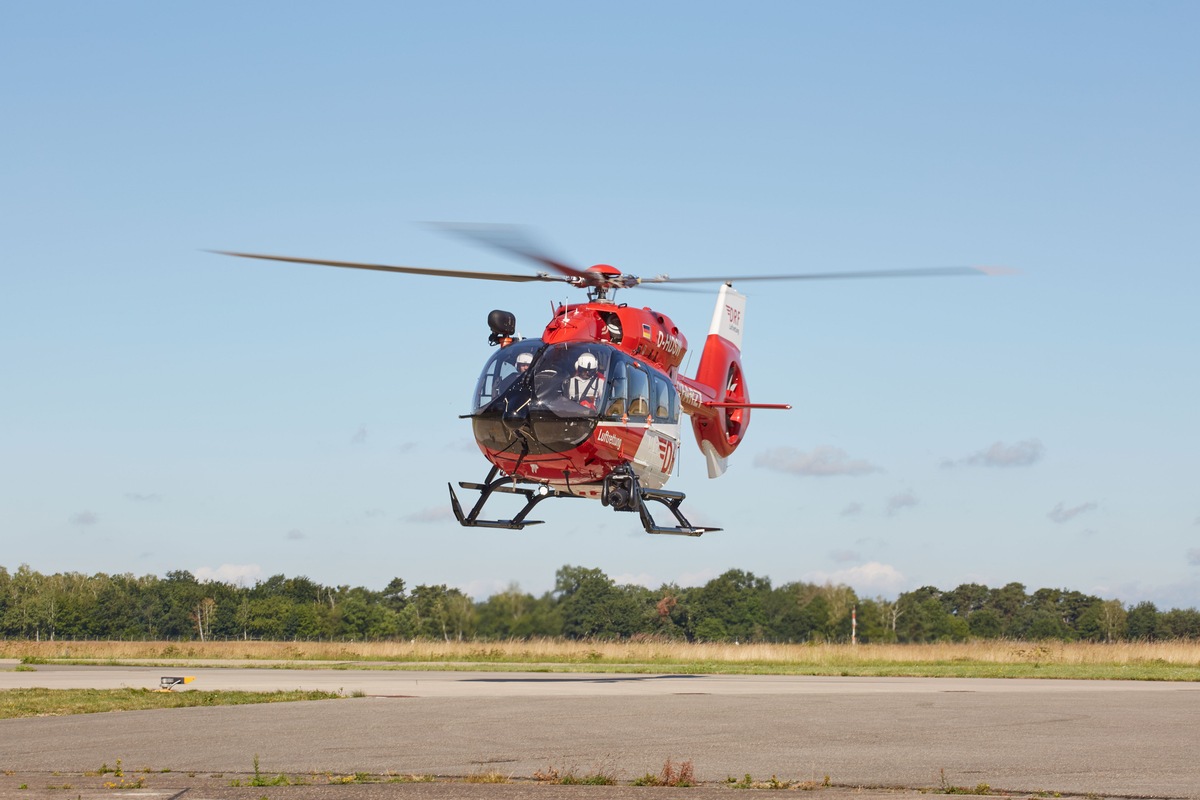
[{"x": 502, "y": 370}]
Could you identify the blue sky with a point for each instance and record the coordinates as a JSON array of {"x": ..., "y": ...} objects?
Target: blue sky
[{"x": 166, "y": 408}]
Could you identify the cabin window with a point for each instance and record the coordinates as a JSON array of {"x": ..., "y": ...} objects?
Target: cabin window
[
  {"x": 617, "y": 401},
  {"x": 666, "y": 399},
  {"x": 639, "y": 392}
]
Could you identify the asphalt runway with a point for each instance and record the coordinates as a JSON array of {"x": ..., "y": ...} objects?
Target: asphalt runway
[{"x": 1111, "y": 738}]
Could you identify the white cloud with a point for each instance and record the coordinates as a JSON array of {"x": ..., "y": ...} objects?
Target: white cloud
[
  {"x": 1193, "y": 556},
  {"x": 137, "y": 497},
  {"x": 898, "y": 502},
  {"x": 236, "y": 574},
  {"x": 294, "y": 535},
  {"x": 1060, "y": 515},
  {"x": 1021, "y": 454},
  {"x": 84, "y": 518},
  {"x": 871, "y": 578},
  {"x": 360, "y": 436},
  {"x": 822, "y": 461},
  {"x": 852, "y": 509}
]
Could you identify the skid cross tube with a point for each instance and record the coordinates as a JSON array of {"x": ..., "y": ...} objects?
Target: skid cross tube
[{"x": 506, "y": 484}]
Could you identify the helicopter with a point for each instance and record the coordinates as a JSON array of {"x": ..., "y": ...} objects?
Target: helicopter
[{"x": 593, "y": 408}]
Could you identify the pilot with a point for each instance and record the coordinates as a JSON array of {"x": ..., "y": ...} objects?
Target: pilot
[
  {"x": 524, "y": 360},
  {"x": 587, "y": 384}
]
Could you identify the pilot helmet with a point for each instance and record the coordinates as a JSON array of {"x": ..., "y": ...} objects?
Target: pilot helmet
[
  {"x": 587, "y": 364},
  {"x": 524, "y": 359}
]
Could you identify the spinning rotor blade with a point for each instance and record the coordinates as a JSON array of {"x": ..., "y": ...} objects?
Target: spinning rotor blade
[
  {"x": 516, "y": 241},
  {"x": 825, "y": 276},
  {"x": 513, "y": 240},
  {"x": 442, "y": 273}
]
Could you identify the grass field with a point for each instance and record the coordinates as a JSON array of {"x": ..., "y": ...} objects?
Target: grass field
[
  {"x": 1178, "y": 660},
  {"x": 60, "y": 702}
]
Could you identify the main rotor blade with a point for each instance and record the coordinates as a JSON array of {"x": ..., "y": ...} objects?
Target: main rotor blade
[
  {"x": 825, "y": 276},
  {"x": 442, "y": 273},
  {"x": 511, "y": 239}
]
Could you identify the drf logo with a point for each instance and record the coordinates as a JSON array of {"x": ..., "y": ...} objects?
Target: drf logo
[
  {"x": 666, "y": 451},
  {"x": 734, "y": 315}
]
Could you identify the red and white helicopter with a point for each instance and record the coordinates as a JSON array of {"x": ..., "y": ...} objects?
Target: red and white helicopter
[{"x": 593, "y": 407}]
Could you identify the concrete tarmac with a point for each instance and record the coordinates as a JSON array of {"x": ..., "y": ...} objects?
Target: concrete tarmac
[{"x": 1108, "y": 738}]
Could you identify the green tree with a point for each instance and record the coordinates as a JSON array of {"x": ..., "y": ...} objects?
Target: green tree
[
  {"x": 1103, "y": 621},
  {"x": 874, "y": 620},
  {"x": 1179, "y": 623},
  {"x": 985, "y": 624},
  {"x": 506, "y": 614},
  {"x": 394, "y": 596},
  {"x": 23, "y": 612},
  {"x": 1142, "y": 621},
  {"x": 667, "y": 612},
  {"x": 362, "y": 615},
  {"x": 592, "y": 606},
  {"x": 735, "y": 600},
  {"x": 925, "y": 618},
  {"x": 966, "y": 599},
  {"x": 180, "y": 594},
  {"x": 1011, "y": 604},
  {"x": 438, "y": 612}
]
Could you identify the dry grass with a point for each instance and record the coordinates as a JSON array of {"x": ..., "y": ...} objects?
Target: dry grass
[
  {"x": 492, "y": 776},
  {"x": 554, "y": 651},
  {"x": 569, "y": 777},
  {"x": 672, "y": 774}
]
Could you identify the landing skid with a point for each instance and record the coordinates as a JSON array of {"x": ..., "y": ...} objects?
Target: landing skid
[
  {"x": 671, "y": 500},
  {"x": 509, "y": 485},
  {"x": 621, "y": 492}
]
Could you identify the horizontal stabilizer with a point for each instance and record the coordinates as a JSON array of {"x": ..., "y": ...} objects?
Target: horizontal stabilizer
[{"x": 777, "y": 406}]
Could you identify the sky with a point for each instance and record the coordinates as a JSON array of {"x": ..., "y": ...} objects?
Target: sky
[{"x": 166, "y": 408}]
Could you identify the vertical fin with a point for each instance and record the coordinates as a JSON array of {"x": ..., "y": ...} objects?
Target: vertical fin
[{"x": 728, "y": 316}]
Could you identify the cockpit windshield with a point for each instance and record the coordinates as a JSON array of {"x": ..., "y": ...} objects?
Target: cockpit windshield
[{"x": 567, "y": 380}]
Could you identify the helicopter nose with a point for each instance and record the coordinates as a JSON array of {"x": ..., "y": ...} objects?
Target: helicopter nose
[
  {"x": 516, "y": 411},
  {"x": 515, "y": 419}
]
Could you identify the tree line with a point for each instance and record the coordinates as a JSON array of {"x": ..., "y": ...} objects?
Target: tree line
[{"x": 585, "y": 603}]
